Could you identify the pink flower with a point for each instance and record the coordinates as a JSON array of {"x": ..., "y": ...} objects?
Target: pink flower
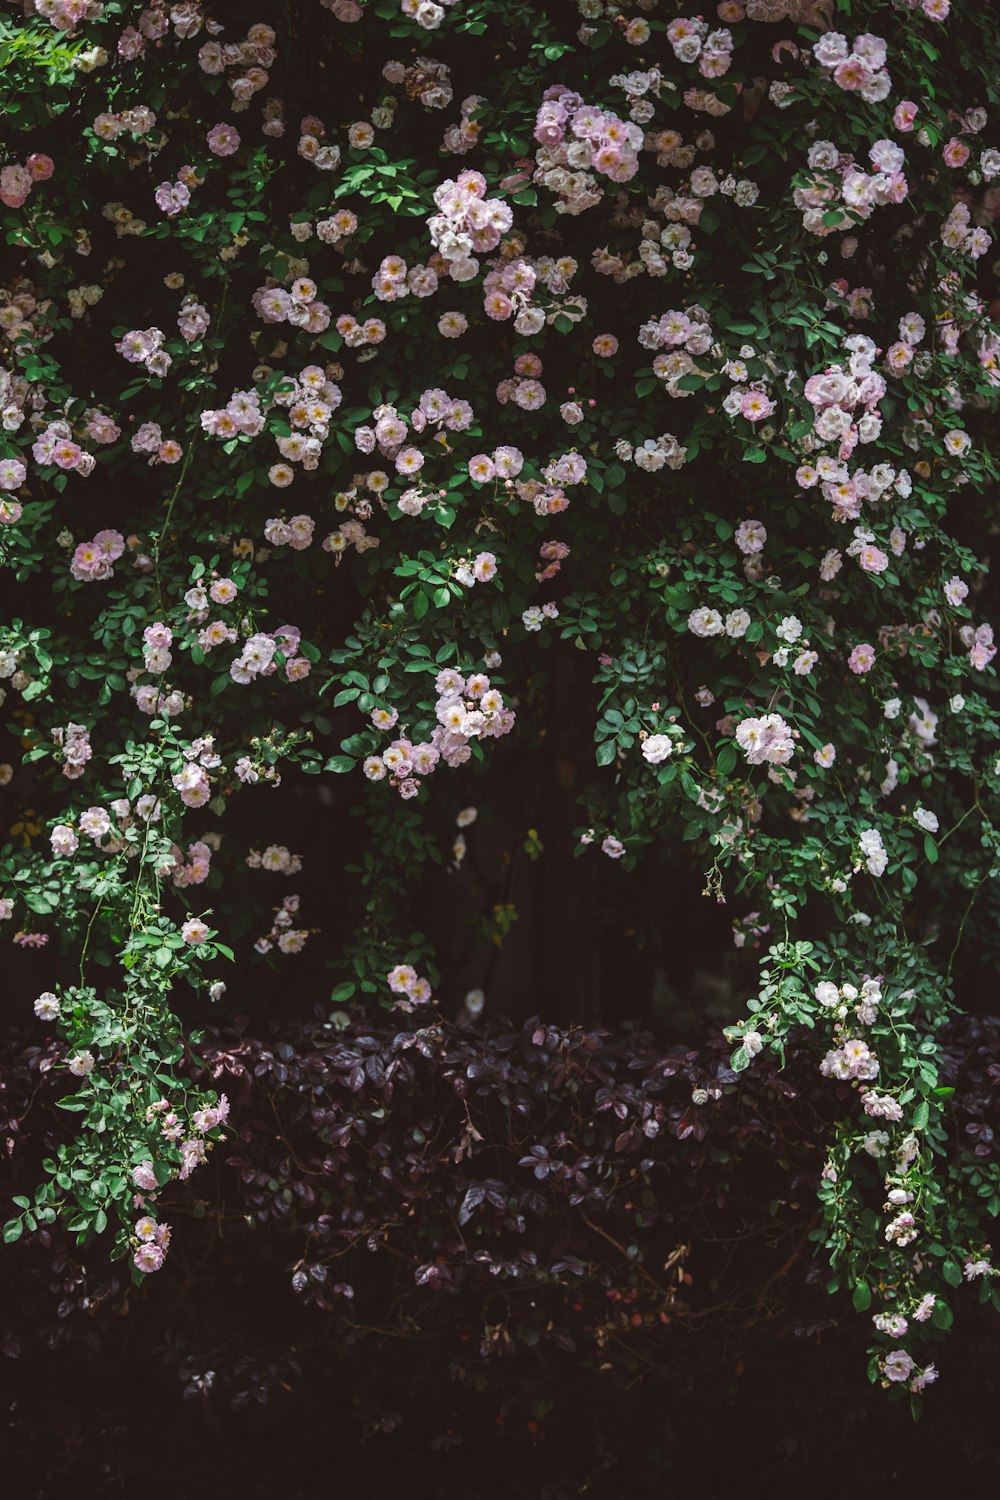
[
  {"x": 110, "y": 543},
  {"x": 172, "y": 198},
  {"x": 66, "y": 454},
  {"x": 15, "y": 185},
  {"x": 904, "y": 115},
  {"x": 853, "y": 73},
  {"x": 24, "y": 939},
  {"x": 750, "y": 537},
  {"x": 897, "y": 1366},
  {"x": 223, "y": 140},
  {"x": 872, "y": 559},
  {"x": 401, "y": 979},
  {"x": 955, "y": 153},
  {"x": 755, "y": 406},
  {"x": 481, "y": 468},
  {"x": 484, "y": 568},
  {"x": 223, "y": 591},
  {"x": 148, "y": 1257},
  {"x": 12, "y": 473},
  {"x": 40, "y": 166},
  {"x": 861, "y": 659},
  {"x": 983, "y": 649}
]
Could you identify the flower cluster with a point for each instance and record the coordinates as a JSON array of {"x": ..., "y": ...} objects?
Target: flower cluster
[
  {"x": 467, "y": 223},
  {"x": 857, "y": 67},
  {"x": 276, "y": 859},
  {"x": 404, "y": 981},
  {"x": 693, "y": 41},
  {"x": 192, "y": 781},
  {"x": 767, "y": 739},
  {"x": 17, "y": 181},
  {"x": 75, "y": 749},
  {"x": 467, "y": 709},
  {"x": 144, "y": 346},
  {"x": 577, "y": 140},
  {"x": 94, "y": 561},
  {"x": 284, "y": 934}
]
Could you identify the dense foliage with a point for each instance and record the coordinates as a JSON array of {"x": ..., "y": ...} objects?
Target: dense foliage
[
  {"x": 459, "y": 1250},
  {"x": 610, "y": 391}
]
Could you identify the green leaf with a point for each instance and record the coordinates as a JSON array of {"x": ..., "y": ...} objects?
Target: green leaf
[
  {"x": 726, "y": 762},
  {"x": 340, "y": 764},
  {"x": 862, "y": 1296}
]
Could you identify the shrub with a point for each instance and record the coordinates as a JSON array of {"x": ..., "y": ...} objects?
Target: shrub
[{"x": 735, "y": 496}]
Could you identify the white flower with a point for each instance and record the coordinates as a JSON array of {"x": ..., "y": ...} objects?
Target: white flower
[
  {"x": 81, "y": 1064},
  {"x": 926, "y": 820},
  {"x": 737, "y": 623},
  {"x": 827, "y": 993},
  {"x": 790, "y": 629},
  {"x": 876, "y": 1143},
  {"x": 705, "y": 622},
  {"x": 467, "y": 816},
  {"x": 753, "y": 1043},
  {"x": 47, "y": 1007},
  {"x": 891, "y": 708},
  {"x": 657, "y": 748},
  {"x": 871, "y": 847}
]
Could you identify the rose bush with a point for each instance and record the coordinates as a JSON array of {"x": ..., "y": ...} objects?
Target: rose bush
[{"x": 354, "y": 396}]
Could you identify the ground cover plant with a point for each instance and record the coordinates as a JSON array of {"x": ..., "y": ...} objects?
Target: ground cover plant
[{"x": 540, "y": 459}]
